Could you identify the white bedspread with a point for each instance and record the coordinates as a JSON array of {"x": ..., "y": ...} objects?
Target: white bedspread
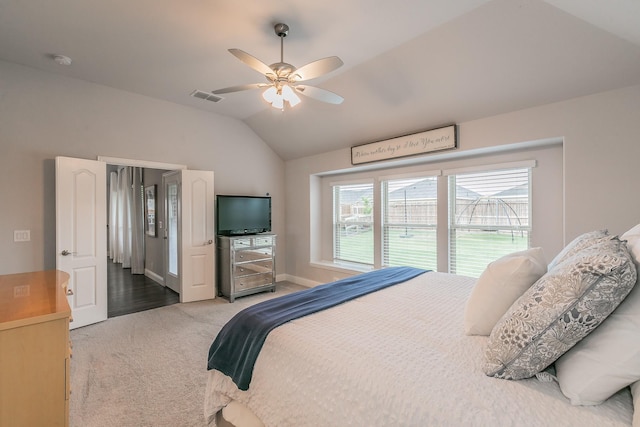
[{"x": 397, "y": 357}]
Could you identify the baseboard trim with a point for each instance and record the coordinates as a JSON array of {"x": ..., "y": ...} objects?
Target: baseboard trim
[
  {"x": 298, "y": 280},
  {"x": 153, "y": 276}
]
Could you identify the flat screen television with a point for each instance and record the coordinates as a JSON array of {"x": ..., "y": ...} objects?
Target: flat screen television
[{"x": 238, "y": 215}]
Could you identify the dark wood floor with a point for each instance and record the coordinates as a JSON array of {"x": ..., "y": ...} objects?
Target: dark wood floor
[{"x": 130, "y": 293}]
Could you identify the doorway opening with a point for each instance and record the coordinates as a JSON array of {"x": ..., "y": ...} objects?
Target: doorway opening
[
  {"x": 81, "y": 232},
  {"x": 130, "y": 290}
]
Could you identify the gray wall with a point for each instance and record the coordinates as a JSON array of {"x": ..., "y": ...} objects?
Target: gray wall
[
  {"x": 154, "y": 246},
  {"x": 44, "y": 115},
  {"x": 601, "y": 151}
]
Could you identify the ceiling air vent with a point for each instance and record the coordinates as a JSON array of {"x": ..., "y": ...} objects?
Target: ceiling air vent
[{"x": 207, "y": 96}]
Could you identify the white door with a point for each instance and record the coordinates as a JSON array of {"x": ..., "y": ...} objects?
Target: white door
[
  {"x": 194, "y": 228},
  {"x": 81, "y": 236}
]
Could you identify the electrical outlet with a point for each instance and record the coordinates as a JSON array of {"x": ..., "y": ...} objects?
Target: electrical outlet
[{"x": 21, "y": 235}]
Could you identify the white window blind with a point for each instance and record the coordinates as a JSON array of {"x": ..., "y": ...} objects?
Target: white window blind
[
  {"x": 409, "y": 222},
  {"x": 489, "y": 215},
  {"x": 353, "y": 223}
]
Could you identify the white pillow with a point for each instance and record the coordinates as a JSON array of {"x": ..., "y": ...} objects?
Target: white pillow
[
  {"x": 608, "y": 359},
  {"x": 635, "y": 392},
  {"x": 563, "y": 307},
  {"x": 499, "y": 286}
]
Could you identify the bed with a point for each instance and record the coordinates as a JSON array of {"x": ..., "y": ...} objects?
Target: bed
[{"x": 403, "y": 355}]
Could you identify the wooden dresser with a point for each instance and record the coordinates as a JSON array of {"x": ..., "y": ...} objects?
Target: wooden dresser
[{"x": 34, "y": 349}]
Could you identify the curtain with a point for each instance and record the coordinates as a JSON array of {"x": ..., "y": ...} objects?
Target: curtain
[
  {"x": 124, "y": 214},
  {"x": 113, "y": 214},
  {"x": 126, "y": 232},
  {"x": 137, "y": 223}
]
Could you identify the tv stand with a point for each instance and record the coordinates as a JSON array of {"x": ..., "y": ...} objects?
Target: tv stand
[{"x": 246, "y": 264}]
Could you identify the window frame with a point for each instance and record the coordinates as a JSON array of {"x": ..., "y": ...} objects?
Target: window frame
[
  {"x": 322, "y": 203},
  {"x": 454, "y": 227},
  {"x": 386, "y": 225},
  {"x": 338, "y": 224}
]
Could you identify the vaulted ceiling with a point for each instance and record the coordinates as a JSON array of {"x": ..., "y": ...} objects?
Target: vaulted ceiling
[{"x": 409, "y": 65}]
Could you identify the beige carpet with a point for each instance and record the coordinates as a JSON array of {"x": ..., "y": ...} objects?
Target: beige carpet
[{"x": 149, "y": 368}]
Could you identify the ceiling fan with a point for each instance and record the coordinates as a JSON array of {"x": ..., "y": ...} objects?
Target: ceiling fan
[{"x": 284, "y": 80}]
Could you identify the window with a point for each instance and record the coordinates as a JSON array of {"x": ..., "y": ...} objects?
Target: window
[
  {"x": 489, "y": 216},
  {"x": 409, "y": 222},
  {"x": 353, "y": 223},
  {"x": 454, "y": 220}
]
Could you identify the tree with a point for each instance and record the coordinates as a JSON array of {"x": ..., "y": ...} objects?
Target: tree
[{"x": 367, "y": 205}]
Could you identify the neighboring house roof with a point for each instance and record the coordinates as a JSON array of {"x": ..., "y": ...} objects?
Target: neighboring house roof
[
  {"x": 427, "y": 189},
  {"x": 351, "y": 197},
  {"x": 521, "y": 190}
]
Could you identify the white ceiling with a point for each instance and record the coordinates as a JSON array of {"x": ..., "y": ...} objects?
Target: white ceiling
[{"x": 410, "y": 65}]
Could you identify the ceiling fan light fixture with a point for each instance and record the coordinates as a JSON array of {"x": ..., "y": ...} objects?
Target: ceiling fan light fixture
[
  {"x": 278, "y": 102},
  {"x": 270, "y": 94},
  {"x": 289, "y": 95},
  {"x": 283, "y": 78},
  {"x": 277, "y": 97}
]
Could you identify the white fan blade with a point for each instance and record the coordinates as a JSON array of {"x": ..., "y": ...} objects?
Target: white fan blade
[
  {"x": 251, "y": 61},
  {"x": 317, "y": 68},
  {"x": 239, "y": 88},
  {"x": 320, "y": 94}
]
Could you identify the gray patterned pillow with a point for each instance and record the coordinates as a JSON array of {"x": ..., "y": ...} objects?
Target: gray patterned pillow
[
  {"x": 583, "y": 241},
  {"x": 560, "y": 309}
]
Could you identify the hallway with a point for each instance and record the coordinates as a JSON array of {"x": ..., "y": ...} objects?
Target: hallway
[{"x": 130, "y": 293}]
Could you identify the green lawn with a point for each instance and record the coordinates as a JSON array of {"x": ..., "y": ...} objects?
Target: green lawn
[
  {"x": 417, "y": 247},
  {"x": 485, "y": 247}
]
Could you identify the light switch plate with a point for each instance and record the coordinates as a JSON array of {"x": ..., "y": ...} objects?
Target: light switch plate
[{"x": 21, "y": 235}]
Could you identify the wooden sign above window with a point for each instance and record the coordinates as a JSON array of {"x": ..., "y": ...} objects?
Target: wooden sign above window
[{"x": 444, "y": 138}]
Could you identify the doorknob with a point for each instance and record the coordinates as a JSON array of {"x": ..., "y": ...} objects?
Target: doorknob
[
  {"x": 208, "y": 243},
  {"x": 69, "y": 292},
  {"x": 65, "y": 252}
]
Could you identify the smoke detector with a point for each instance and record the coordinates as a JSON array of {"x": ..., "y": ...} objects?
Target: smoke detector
[{"x": 62, "y": 60}]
